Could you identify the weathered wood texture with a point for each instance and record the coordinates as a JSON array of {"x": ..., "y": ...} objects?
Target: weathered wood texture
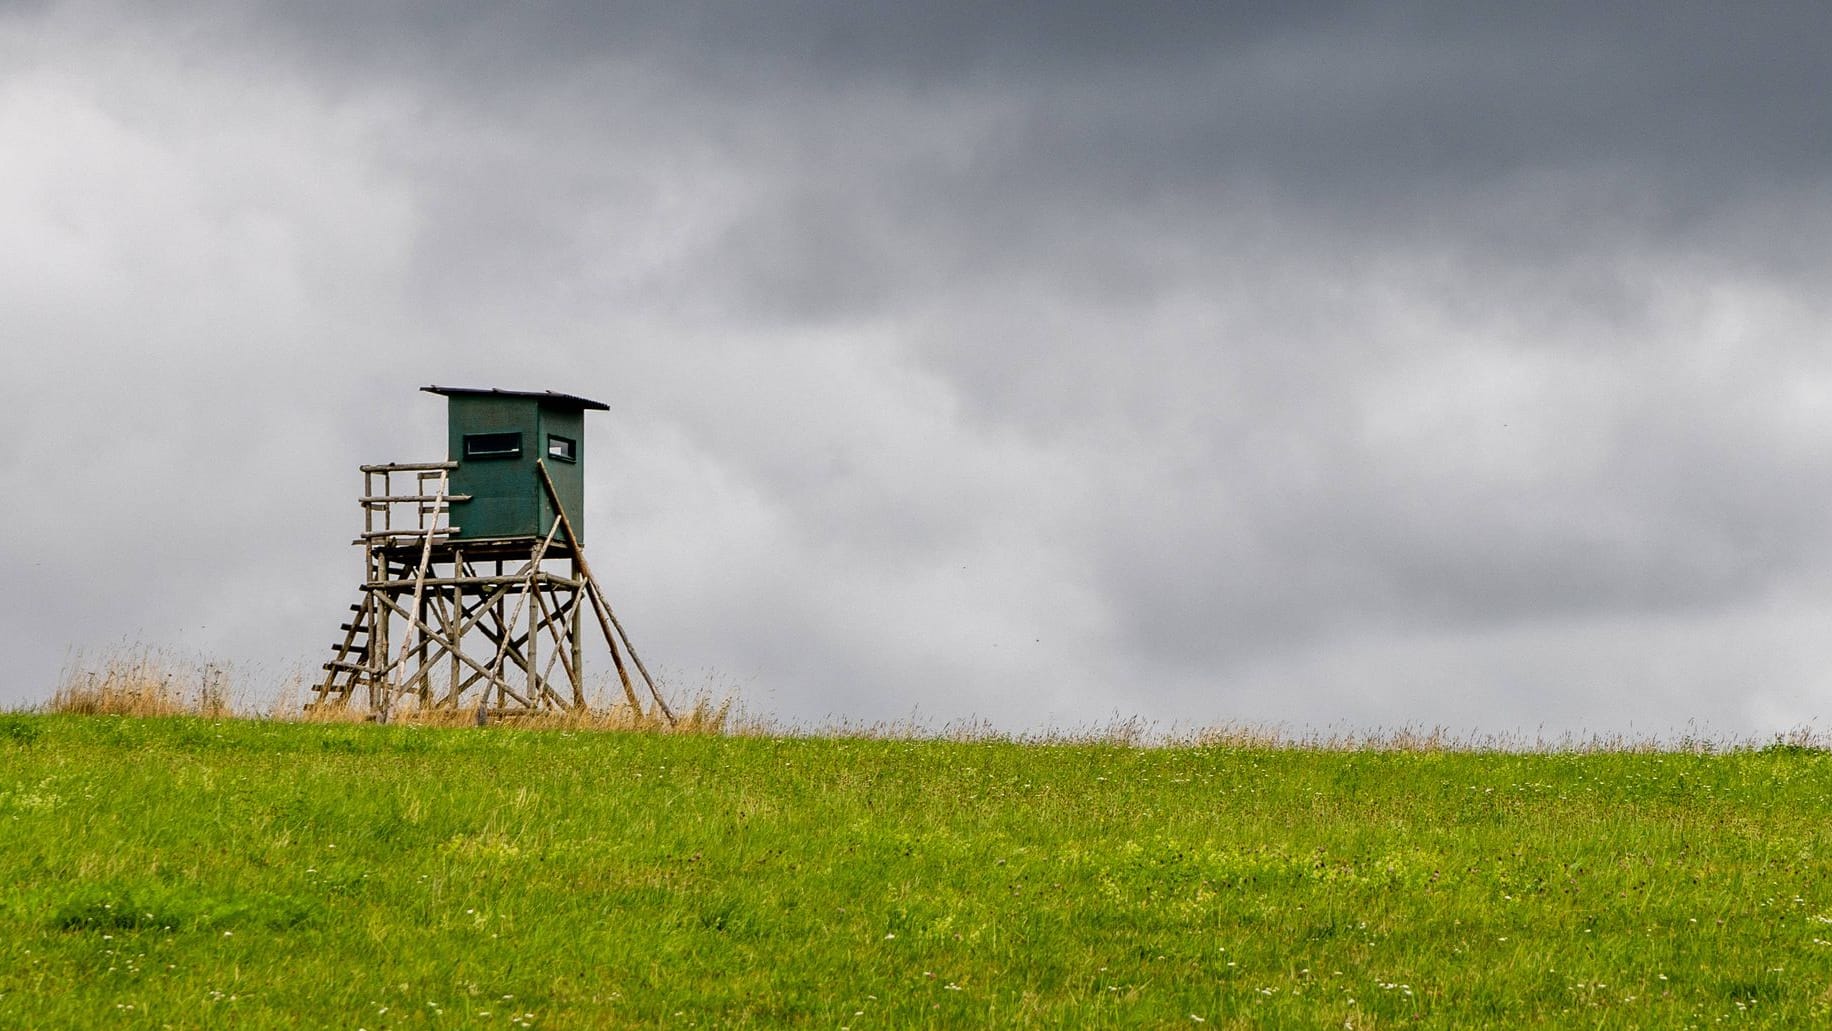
[{"x": 455, "y": 624}]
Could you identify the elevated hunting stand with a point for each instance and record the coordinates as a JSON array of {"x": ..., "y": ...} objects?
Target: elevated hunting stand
[{"x": 484, "y": 611}]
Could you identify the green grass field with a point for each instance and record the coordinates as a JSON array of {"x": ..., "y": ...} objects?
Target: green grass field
[{"x": 190, "y": 873}]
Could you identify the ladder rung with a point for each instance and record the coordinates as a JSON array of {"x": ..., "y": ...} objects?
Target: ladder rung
[
  {"x": 354, "y": 667},
  {"x": 437, "y": 531},
  {"x": 383, "y": 499},
  {"x": 358, "y": 627},
  {"x": 408, "y": 467}
]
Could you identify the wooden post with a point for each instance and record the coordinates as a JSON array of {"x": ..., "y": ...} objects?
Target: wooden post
[
  {"x": 606, "y": 618},
  {"x": 452, "y": 595},
  {"x": 573, "y": 619}
]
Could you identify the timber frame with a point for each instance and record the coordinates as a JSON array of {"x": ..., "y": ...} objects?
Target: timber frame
[{"x": 493, "y": 625}]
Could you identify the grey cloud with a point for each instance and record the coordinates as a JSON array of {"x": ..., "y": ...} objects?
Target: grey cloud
[{"x": 1032, "y": 361}]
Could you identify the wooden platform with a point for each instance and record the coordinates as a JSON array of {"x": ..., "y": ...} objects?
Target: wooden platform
[{"x": 443, "y": 622}]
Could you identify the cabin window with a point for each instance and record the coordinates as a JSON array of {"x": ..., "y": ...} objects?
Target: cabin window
[
  {"x": 492, "y": 445},
  {"x": 564, "y": 449}
]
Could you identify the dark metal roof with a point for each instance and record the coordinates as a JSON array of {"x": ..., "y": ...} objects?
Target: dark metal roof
[{"x": 543, "y": 396}]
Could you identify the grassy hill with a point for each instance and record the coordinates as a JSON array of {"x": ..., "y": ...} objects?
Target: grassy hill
[{"x": 183, "y": 872}]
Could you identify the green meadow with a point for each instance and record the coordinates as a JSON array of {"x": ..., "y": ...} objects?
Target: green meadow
[{"x": 182, "y": 872}]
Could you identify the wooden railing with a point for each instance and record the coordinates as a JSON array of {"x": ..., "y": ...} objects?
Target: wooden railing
[{"x": 422, "y": 510}]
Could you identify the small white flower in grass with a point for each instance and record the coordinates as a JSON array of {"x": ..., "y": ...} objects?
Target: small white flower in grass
[
  {"x": 889, "y": 936},
  {"x": 1197, "y": 1019}
]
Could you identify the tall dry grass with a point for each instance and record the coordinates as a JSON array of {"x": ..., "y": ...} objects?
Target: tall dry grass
[
  {"x": 703, "y": 714},
  {"x": 142, "y": 682},
  {"x": 149, "y": 682}
]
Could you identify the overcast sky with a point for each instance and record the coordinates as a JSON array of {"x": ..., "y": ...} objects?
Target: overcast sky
[{"x": 1354, "y": 365}]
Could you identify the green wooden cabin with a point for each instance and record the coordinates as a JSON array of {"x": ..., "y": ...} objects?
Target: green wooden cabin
[{"x": 496, "y": 437}]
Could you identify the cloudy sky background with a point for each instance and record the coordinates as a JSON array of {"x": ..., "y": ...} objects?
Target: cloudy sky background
[{"x": 1347, "y": 365}]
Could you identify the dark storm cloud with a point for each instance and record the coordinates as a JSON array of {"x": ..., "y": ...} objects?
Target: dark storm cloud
[
  {"x": 1097, "y": 125},
  {"x": 831, "y": 43},
  {"x": 1237, "y": 361},
  {"x": 1342, "y": 104}
]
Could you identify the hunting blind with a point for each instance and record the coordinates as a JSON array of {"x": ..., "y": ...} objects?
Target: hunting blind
[
  {"x": 476, "y": 585},
  {"x": 496, "y": 437}
]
